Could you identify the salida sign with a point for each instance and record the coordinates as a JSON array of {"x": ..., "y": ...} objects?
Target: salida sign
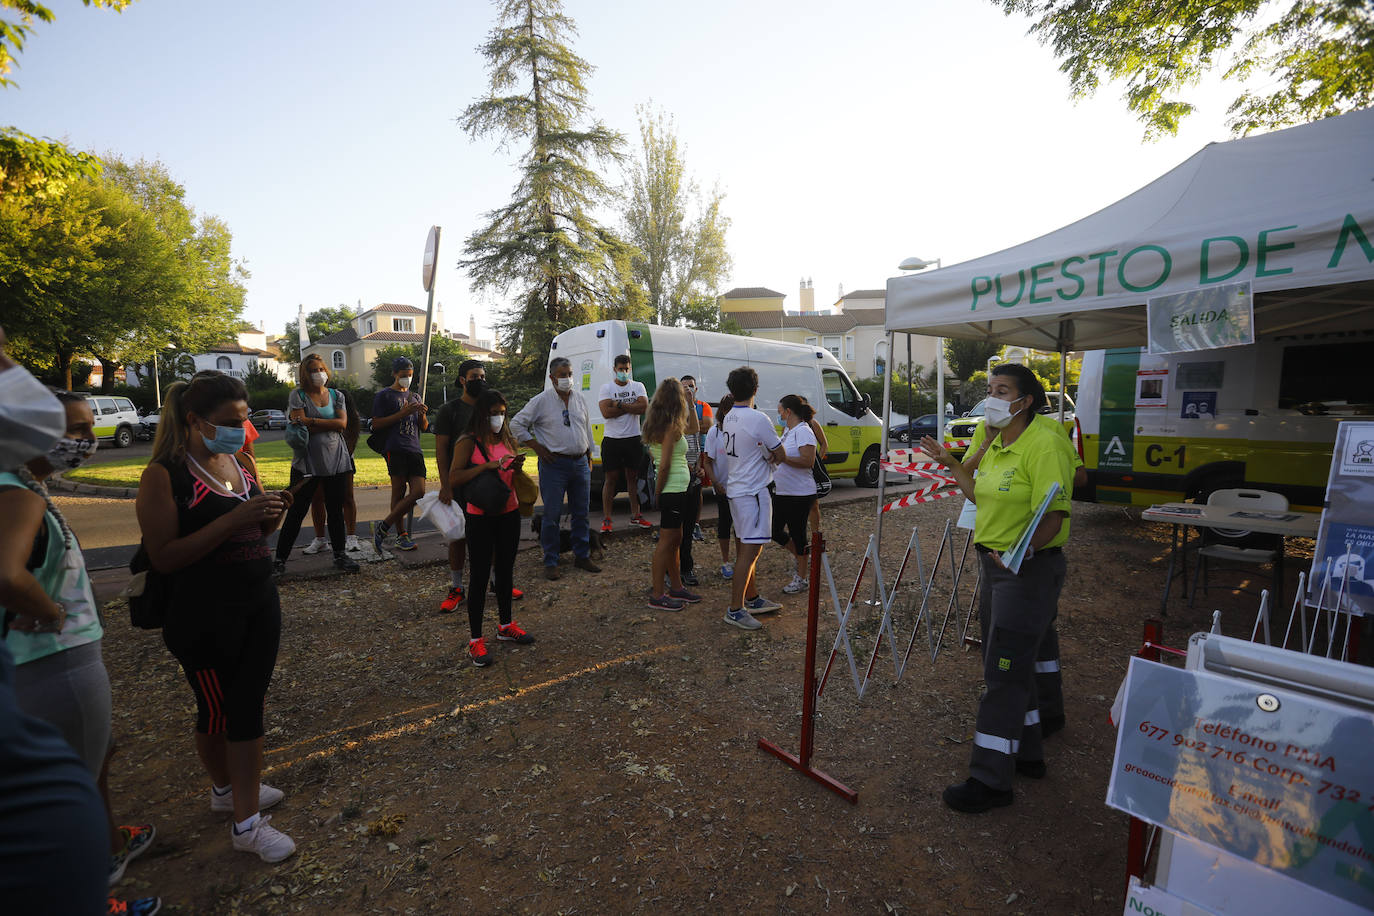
[
  {"x": 1200, "y": 319},
  {"x": 1148, "y": 267}
]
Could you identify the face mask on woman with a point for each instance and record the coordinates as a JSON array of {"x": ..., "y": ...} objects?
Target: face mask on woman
[
  {"x": 69, "y": 454},
  {"x": 564, "y": 384},
  {"x": 497, "y": 422},
  {"x": 320, "y": 378},
  {"x": 227, "y": 440},
  {"x": 998, "y": 413},
  {"x": 31, "y": 419}
]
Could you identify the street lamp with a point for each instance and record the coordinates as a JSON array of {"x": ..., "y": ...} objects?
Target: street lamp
[
  {"x": 443, "y": 378},
  {"x": 913, "y": 264}
]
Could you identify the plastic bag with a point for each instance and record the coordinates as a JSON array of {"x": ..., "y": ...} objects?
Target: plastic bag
[{"x": 448, "y": 519}]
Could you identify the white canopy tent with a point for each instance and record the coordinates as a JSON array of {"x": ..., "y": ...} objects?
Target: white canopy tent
[{"x": 1292, "y": 212}]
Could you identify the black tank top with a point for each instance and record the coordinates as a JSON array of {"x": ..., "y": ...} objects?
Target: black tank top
[{"x": 238, "y": 565}]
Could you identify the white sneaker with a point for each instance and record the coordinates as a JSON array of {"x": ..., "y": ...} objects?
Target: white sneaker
[
  {"x": 351, "y": 544},
  {"x": 268, "y": 842},
  {"x": 267, "y": 797},
  {"x": 316, "y": 546},
  {"x": 798, "y": 584}
]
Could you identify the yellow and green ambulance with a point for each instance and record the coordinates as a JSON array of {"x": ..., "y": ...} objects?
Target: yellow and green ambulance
[
  {"x": 1160, "y": 428},
  {"x": 656, "y": 352}
]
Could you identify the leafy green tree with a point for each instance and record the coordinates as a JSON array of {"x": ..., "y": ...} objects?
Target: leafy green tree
[
  {"x": 682, "y": 257},
  {"x": 543, "y": 249},
  {"x": 1317, "y": 56},
  {"x": 318, "y": 323},
  {"x": 115, "y": 266},
  {"x": 965, "y": 357}
]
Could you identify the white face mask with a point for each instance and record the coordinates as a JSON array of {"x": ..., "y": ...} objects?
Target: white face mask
[
  {"x": 497, "y": 422},
  {"x": 31, "y": 418},
  {"x": 320, "y": 378},
  {"x": 563, "y": 384},
  {"x": 403, "y": 381},
  {"x": 998, "y": 413},
  {"x": 69, "y": 454}
]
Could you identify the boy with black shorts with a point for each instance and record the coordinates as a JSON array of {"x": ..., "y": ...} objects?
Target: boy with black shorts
[
  {"x": 400, "y": 410},
  {"x": 622, "y": 402}
]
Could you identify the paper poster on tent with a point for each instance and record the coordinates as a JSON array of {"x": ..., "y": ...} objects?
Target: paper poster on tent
[
  {"x": 1342, "y": 576},
  {"x": 1201, "y": 319},
  {"x": 1152, "y": 388},
  {"x": 1274, "y": 776}
]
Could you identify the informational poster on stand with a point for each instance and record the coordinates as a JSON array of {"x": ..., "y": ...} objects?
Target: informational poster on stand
[
  {"x": 1342, "y": 575},
  {"x": 1276, "y": 777}
]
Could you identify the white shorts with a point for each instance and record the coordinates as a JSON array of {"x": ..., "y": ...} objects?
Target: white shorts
[{"x": 752, "y": 517}]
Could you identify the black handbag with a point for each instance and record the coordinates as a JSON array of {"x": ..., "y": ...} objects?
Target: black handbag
[
  {"x": 823, "y": 483},
  {"x": 487, "y": 491}
]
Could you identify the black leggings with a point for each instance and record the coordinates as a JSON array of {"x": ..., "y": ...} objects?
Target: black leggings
[
  {"x": 790, "y": 515},
  {"x": 335, "y": 495},
  {"x": 492, "y": 542},
  {"x": 228, "y": 649},
  {"x": 691, "y": 511}
]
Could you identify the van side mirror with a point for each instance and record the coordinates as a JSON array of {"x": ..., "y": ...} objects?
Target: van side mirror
[{"x": 866, "y": 401}]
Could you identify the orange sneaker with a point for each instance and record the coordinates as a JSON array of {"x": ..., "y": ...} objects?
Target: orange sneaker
[
  {"x": 512, "y": 632},
  {"x": 477, "y": 651},
  {"x": 455, "y": 598}
]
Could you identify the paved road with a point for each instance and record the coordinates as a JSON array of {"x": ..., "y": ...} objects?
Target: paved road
[{"x": 144, "y": 450}]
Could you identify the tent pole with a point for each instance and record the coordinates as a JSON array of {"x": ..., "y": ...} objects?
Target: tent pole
[
  {"x": 887, "y": 423},
  {"x": 940, "y": 387},
  {"x": 1063, "y": 379}
]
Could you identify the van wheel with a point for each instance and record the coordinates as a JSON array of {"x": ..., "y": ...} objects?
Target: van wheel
[
  {"x": 868, "y": 468},
  {"x": 124, "y": 437}
]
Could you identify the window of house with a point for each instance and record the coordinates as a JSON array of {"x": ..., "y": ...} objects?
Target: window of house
[
  {"x": 371, "y": 326},
  {"x": 833, "y": 345},
  {"x": 849, "y": 347},
  {"x": 403, "y": 325},
  {"x": 339, "y": 361},
  {"x": 224, "y": 364},
  {"x": 813, "y": 341}
]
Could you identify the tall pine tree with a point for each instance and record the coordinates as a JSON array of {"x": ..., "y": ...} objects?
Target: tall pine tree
[{"x": 543, "y": 249}]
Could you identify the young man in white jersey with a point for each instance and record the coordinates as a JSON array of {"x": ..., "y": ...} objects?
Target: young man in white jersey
[
  {"x": 623, "y": 401},
  {"x": 750, "y": 447}
]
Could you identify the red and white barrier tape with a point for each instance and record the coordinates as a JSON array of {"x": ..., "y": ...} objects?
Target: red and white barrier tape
[
  {"x": 916, "y": 470},
  {"x": 913, "y": 499}
]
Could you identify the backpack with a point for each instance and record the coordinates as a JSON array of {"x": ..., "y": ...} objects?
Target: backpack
[{"x": 149, "y": 592}]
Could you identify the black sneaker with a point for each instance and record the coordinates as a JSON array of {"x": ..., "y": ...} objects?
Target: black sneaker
[
  {"x": 974, "y": 797},
  {"x": 344, "y": 562},
  {"x": 690, "y": 579},
  {"x": 278, "y": 567}
]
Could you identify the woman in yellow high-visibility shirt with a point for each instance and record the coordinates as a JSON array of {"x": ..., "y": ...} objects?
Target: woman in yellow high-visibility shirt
[{"x": 1018, "y": 465}]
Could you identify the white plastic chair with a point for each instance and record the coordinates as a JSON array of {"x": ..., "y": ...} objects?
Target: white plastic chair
[{"x": 1253, "y": 500}]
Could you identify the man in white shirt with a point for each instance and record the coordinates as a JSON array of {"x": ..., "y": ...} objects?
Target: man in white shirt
[
  {"x": 622, "y": 401},
  {"x": 750, "y": 447},
  {"x": 555, "y": 423}
]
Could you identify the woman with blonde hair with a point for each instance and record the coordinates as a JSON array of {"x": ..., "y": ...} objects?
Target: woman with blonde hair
[
  {"x": 205, "y": 522},
  {"x": 665, "y": 425}
]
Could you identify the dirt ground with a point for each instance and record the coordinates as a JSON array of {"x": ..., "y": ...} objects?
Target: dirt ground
[{"x": 613, "y": 766}]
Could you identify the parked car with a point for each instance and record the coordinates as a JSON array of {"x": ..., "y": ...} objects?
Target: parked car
[
  {"x": 147, "y": 426},
  {"x": 924, "y": 425},
  {"x": 116, "y": 419},
  {"x": 268, "y": 419}
]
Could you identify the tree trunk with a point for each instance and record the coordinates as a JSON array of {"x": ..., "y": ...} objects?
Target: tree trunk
[{"x": 107, "y": 374}]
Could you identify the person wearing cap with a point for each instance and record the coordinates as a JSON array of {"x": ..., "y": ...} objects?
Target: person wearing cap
[{"x": 400, "y": 411}]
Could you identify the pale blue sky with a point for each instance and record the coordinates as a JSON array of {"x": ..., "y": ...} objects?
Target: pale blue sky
[{"x": 847, "y": 136}]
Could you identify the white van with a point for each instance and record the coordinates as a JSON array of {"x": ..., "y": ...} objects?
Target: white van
[
  {"x": 1160, "y": 428},
  {"x": 853, "y": 431},
  {"x": 116, "y": 419}
]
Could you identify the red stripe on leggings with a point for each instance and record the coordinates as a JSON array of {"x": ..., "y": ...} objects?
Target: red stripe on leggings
[{"x": 214, "y": 699}]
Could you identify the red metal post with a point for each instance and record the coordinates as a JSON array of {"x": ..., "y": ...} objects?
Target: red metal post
[{"x": 802, "y": 761}]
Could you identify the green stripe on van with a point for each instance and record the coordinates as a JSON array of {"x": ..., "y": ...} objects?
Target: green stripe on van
[
  {"x": 1116, "y": 444},
  {"x": 642, "y": 356}
]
